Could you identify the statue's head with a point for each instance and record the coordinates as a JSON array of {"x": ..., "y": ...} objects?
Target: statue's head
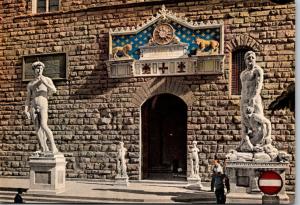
[
  {"x": 250, "y": 58},
  {"x": 249, "y": 53},
  {"x": 232, "y": 155},
  {"x": 194, "y": 143},
  {"x": 249, "y": 111},
  {"x": 127, "y": 47},
  {"x": 38, "y": 67}
]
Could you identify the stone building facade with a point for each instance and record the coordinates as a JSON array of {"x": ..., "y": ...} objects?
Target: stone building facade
[{"x": 91, "y": 111}]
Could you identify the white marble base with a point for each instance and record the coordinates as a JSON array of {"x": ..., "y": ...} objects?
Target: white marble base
[
  {"x": 121, "y": 181},
  {"x": 243, "y": 178},
  {"x": 194, "y": 183},
  {"x": 47, "y": 173},
  {"x": 253, "y": 198}
]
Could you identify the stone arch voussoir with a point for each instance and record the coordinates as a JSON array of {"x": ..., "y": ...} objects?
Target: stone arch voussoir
[
  {"x": 163, "y": 85},
  {"x": 243, "y": 40}
]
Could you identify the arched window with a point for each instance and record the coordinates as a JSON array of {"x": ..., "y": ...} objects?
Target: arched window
[{"x": 238, "y": 65}]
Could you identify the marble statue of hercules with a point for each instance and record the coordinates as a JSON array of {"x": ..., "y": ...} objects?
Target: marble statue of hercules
[
  {"x": 36, "y": 106},
  {"x": 252, "y": 81}
]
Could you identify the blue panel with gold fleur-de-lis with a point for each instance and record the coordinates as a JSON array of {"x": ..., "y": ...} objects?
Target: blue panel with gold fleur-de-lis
[{"x": 186, "y": 35}]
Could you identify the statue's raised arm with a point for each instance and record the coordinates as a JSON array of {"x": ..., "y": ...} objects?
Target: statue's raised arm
[{"x": 36, "y": 106}]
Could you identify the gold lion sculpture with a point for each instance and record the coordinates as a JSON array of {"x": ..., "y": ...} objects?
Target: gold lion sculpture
[
  {"x": 202, "y": 43},
  {"x": 120, "y": 52}
]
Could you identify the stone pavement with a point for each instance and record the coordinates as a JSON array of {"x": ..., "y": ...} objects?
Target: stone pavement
[
  {"x": 92, "y": 191},
  {"x": 95, "y": 191}
]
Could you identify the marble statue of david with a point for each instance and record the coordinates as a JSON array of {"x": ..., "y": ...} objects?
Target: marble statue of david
[{"x": 36, "y": 106}]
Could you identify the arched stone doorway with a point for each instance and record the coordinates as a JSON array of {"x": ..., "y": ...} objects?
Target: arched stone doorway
[{"x": 164, "y": 137}]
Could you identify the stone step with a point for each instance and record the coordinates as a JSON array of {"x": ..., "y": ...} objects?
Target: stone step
[
  {"x": 147, "y": 181},
  {"x": 207, "y": 197},
  {"x": 8, "y": 197}
]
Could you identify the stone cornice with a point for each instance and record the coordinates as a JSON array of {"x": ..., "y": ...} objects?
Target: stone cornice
[
  {"x": 162, "y": 14},
  {"x": 255, "y": 165}
]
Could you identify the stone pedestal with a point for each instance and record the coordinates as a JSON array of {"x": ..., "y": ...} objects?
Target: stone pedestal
[
  {"x": 47, "y": 173},
  {"x": 121, "y": 181},
  {"x": 194, "y": 183},
  {"x": 243, "y": 177}
]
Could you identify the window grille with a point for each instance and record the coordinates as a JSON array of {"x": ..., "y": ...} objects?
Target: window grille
[
  {"x": 238, "y": 65},
  {"x": 53, "y": 5},
  {"x": 42, "y": 6}
]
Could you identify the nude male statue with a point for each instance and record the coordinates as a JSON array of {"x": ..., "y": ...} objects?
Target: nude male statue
[
  {"x": 36, "y": 106},
  {"x": 194, "y": 160},
  {"x": 121, "y": 161},
  {"x": 252, "y": 81},
  {"x": 260, "y": 128}
]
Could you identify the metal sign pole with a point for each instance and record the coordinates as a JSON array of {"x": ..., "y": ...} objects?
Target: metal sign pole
[{"x": 270, "y": 199}]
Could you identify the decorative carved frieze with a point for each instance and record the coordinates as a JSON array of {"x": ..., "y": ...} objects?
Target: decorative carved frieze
[
  {"x": 166, "y": 45},
  {"x": 255, "y": 165},
  {"x": 166, "y": 67}
]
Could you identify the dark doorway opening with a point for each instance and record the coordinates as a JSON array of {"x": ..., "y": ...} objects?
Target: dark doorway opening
[{"x": 164, "y": 138}]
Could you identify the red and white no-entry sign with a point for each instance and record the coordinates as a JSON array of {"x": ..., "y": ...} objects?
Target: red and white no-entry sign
[{"x": 270, "y": 182}]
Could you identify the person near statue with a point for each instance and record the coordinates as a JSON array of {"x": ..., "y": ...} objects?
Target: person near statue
[
  {"x": 36, "y": 106},
  {"x": 194, "y": 161},
  {"x": 221, "y": 181},
  {"x": 216, "y": 167},
  {"x": 121, "y": 161},
  {"x": 18, "y": 197}
]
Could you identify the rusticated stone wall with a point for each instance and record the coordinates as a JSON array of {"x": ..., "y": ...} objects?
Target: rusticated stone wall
[{"x": 90, "y": 112}]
